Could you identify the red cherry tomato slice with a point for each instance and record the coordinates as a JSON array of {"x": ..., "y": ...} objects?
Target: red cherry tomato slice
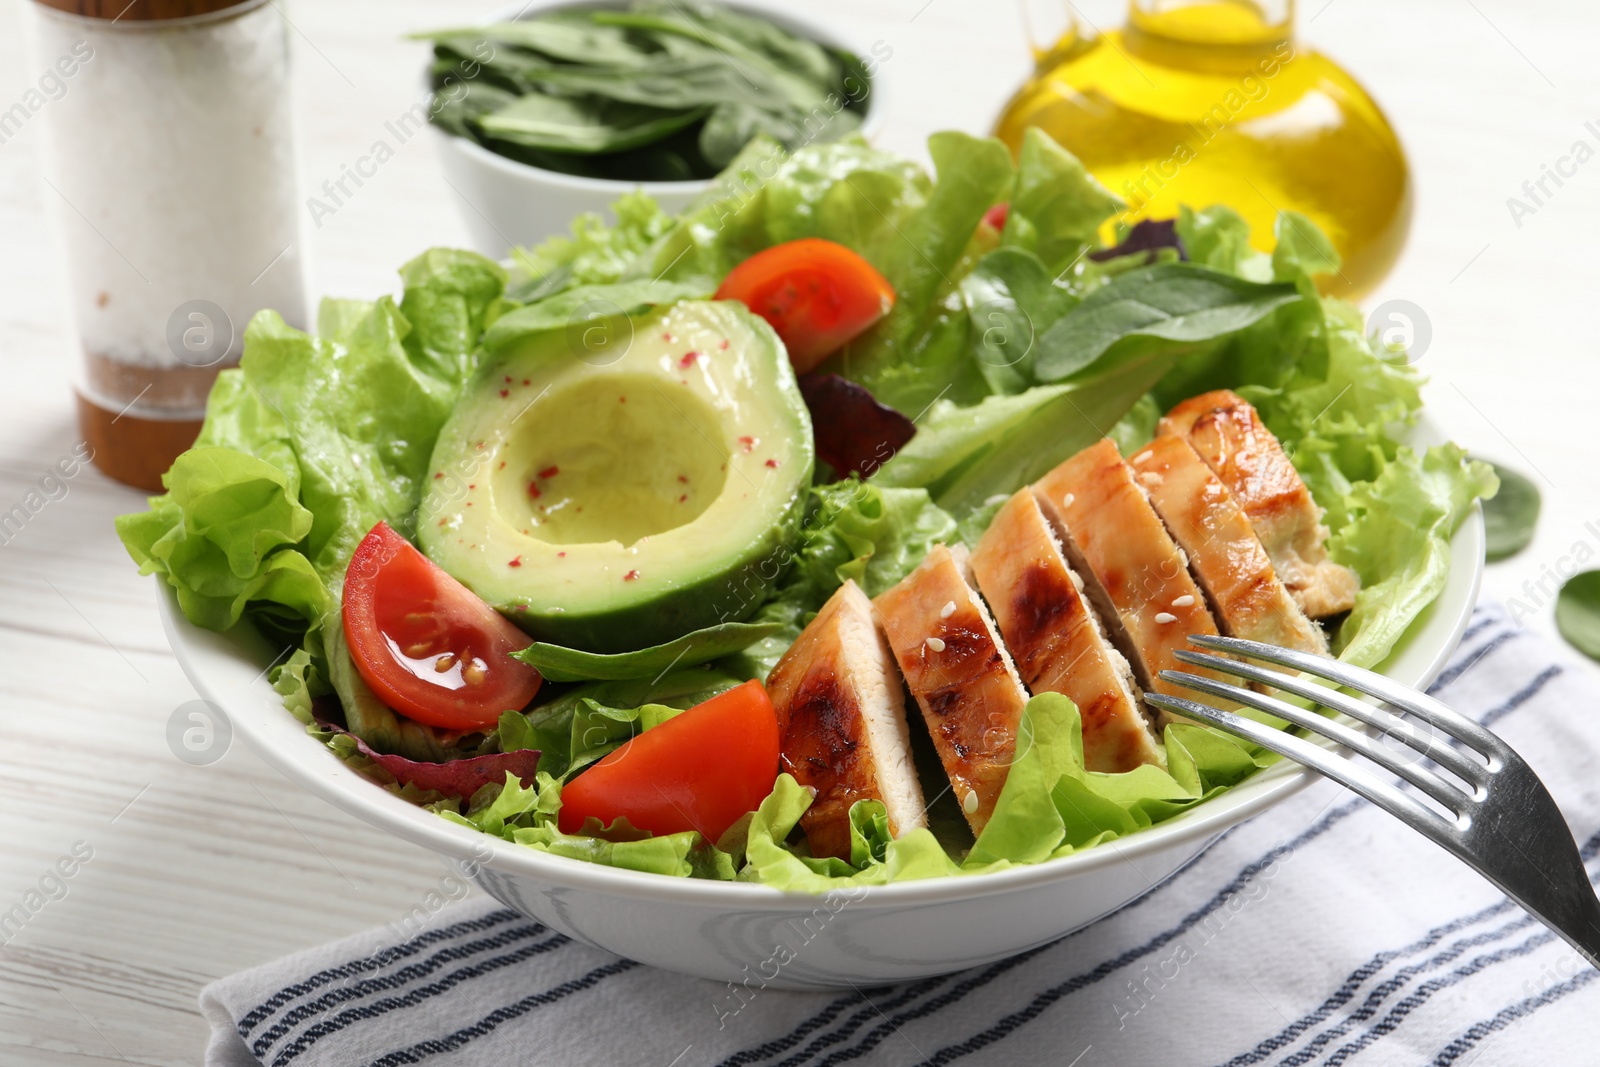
[
  {"x": 700, "y": 770},
  {"x": 817, "y": 294},
  {"x": 425, "y": 643}
]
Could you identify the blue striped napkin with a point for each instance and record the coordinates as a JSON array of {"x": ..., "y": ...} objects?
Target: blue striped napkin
[{"x": 1322, "y": 932}]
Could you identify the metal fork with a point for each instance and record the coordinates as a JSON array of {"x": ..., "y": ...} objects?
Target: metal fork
[{"x": 1503, "y": 823}]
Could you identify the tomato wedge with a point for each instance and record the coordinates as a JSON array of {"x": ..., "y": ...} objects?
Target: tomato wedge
[
  {"x": 996, "y": 216},
  {"x": 699, "y": 770},
  {"x": 425, "y": 643},
  {"x": 817, "y": 294}
]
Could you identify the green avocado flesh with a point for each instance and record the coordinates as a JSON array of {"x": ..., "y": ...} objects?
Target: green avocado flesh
[{"x": 612, "y": 487}]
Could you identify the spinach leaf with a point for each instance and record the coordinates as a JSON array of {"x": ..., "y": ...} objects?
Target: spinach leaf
[
  {"x": 762, "y": 74},
  {"x": 1011, "y": 300},
  {"x": 1169, "y": 307},
  {"x": 559, "y": 36},
  {"x": 662, "y": 91},
  {"x": 559, "y": 664},
  {"x": 584, "y": 124},
  {"x": 1509, "y": 517},
  {"x": 1578, "y": 612}
]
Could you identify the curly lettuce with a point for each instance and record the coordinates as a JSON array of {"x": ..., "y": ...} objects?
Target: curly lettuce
[{"x": 1011, "y": 348}]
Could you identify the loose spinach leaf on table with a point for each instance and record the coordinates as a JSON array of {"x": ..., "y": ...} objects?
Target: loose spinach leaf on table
[
  {"x": 1509, "y": 517},
  {"x": 1578, "y": 612}
]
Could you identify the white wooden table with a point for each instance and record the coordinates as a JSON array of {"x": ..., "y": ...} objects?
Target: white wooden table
[{"x": 200, "y": 871}]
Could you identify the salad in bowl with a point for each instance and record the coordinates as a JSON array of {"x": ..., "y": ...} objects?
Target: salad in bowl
[{"x": 824, "y": 536}]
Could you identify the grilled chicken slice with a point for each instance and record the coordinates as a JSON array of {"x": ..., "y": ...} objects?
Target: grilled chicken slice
[
  {"x": 1133, "y": 573},
  {"x": 959, "y": 673},
  {"x": 1228, "y": 434},
  {"x": 841, "y": 717},
  {"x": 1055, "y": 638},
  {"x": 1243, "y": 591}
]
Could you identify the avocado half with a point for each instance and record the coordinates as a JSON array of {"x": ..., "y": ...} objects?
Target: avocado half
[{"x": 619, "y": 483}]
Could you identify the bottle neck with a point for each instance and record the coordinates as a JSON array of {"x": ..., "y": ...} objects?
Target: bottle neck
[{"x": 1224, "y": 24}]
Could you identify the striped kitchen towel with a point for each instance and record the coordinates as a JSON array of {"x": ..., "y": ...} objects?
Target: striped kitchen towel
[{"x": 1322, "y": 932}]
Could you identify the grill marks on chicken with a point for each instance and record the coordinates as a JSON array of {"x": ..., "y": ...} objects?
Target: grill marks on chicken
[
  {"x": 1097, "y": 574},
  {"x": 841, "y": 718},
  {"x": 960, "y": 674},
  {"x": 1055, "y": 637},
  {"x": 1224, "y": 553},
  {"x": 1135, "y": 574},
  {"x": 1229, "y": 436}
]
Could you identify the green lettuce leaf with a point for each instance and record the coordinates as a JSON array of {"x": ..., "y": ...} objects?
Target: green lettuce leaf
[
  {"x": 559, "y": 664},
  {"x": 1397, "y": 538},
  {"x": 966, "y": 455},
  {"x": 570, "y": 309},
  {"x": 527, "y": 816},
  {"x": 307, "y": 444},
  {"x": 588, "y": 721},
  {"x": 1056, "y": 206}
]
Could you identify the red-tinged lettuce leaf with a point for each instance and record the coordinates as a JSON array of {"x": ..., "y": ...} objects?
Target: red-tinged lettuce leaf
[
  {"x": 1147, "y": 235},
  {"x": 456, "y": 778},
  {"x": 853, "y": 431}
]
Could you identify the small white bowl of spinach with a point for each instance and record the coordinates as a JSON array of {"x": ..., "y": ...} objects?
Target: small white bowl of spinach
[{"x": 560, "y": 107}]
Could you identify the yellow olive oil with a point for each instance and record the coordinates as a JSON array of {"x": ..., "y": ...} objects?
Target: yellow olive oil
[{"x": 1211, "y": 102}]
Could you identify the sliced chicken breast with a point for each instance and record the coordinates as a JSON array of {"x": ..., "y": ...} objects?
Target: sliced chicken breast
[
  {"x": 1226, "y": 557},
  {"x": 1055, "y": 638},
  {"x": 841, "y": 718},
  {"x": 1228, "y": 434},
  {"x": 960, "y": 674},
  {"x": 1133, "y": 572}
]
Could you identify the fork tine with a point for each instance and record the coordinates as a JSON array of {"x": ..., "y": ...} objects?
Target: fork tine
[
  {"x": 1453, "y": 798},
  {"x": 1371, "y": 683},
  {"x": 1463, "y": 767},
  {"x": 1351, "y": 776}
]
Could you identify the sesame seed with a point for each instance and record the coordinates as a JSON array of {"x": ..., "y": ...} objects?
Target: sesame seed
[
  {"x": 970, "y": 804},
  {"x": 948, "y": 610},
  {"x": 935, "y": 644},
  {"x": 1142, "y": 456},
  {"x": 1185, "y": 601},
  {"x": 1067, "y": 500},
  {"x": 1077, "y": 580},
  {"x": 1165, "y": 617}
]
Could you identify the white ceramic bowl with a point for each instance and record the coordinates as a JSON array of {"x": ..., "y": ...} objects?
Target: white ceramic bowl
[
  {"x": 726, "y": 930},
  {"x": 507, "y": 204}
]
